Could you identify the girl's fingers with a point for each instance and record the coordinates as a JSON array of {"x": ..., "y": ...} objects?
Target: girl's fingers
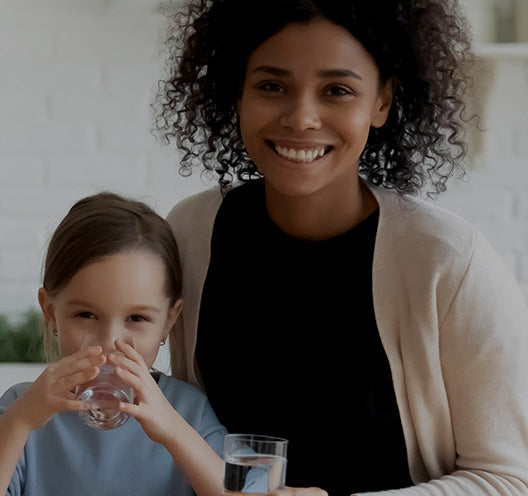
[
  {"x": 73, "y": 405},
  {"x": 67, "y": 383},
  {"x": 130, "y": 352},
  {"x": 135, "y": 382},
  {"x": 139, "y": 369},
  {"x": 126, "y": 363},
  {"x": 81, "y": 359},
  {"x": 82, "y": 364},
  {"x": 90, "y": 351},
  {"x": 130, "y": 408}
]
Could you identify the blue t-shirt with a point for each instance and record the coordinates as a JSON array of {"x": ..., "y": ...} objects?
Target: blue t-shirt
[{"x": 66, "y": 457}]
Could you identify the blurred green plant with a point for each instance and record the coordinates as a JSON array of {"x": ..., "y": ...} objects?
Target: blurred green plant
[{"x": 21, "y": 342}]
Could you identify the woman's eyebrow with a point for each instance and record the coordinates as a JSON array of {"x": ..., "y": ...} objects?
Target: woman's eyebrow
[
  {"x": 277, "y": 71},
  {"x": 339, "y": 73}
]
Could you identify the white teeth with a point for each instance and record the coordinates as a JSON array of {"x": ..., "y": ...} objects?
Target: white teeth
[{"x": 301, "y": 155}]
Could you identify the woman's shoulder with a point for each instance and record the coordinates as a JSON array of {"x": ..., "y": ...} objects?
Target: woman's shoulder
[
  {"x": 414, "y": 220},
  {"x": 419, "y": 239},
  {"x": 195, "y": 206},
  {"x": 192, "y": 219},
  {"x": 206, "y": 203}
]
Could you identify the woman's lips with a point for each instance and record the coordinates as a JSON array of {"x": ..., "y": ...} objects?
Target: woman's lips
[{"x": 300, "y": 153}]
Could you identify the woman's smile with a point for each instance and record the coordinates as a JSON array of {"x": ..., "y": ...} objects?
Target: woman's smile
[
  {"x": 310, "y": 96},
  {"x": 297, "y": 153}
]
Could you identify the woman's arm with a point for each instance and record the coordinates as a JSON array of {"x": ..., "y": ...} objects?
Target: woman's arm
[{"x": 483, "y": 345}]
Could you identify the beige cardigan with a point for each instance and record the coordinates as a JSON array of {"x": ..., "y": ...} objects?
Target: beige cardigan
[{"x": 455, "y": 329}]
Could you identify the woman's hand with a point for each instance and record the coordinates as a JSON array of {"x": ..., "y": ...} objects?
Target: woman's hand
[
  {"x": 52, "y": 391},
  {"x": 151, "y": 409}
]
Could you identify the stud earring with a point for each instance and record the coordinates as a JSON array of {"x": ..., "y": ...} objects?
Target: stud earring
[
  {"x": 163, "y": 341},
  {"x": 54, "y": 331}
]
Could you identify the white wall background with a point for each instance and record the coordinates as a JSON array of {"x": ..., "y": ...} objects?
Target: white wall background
[{"x": 76, "y": 80}]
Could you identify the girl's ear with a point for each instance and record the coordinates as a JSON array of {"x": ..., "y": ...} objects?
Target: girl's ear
[
  {"x": 173, "y": 314},
  {"x": 47, "y": 307},
  {"x": 384, "y": 102}
]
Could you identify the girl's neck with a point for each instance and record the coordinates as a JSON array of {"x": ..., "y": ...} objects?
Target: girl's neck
[{"x": 323, "y": 214}]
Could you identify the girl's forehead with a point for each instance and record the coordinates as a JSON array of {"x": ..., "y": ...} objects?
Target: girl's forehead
[
  {"x": 117, "y": 279},
  {"x": 121, "y": 266}
]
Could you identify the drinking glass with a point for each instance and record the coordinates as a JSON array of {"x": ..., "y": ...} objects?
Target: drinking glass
[
  {"x": 104, "y": 393},
  {"x": 254, "y": 463}
]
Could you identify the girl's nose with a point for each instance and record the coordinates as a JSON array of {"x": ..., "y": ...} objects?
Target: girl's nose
[
  {"x": 301, "y": 114},
  {"x": 110, "y": 332},
  {"x": 108, "y": 335},
  {"x": 107, "y": 340}
]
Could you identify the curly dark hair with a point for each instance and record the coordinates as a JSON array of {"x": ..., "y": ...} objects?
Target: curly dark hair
[{"x": 424, "y": 44}]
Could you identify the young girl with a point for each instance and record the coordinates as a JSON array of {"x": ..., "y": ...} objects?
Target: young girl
[
  {"x": 379, "y": 334},
  {"x": 112, "y": 264}
]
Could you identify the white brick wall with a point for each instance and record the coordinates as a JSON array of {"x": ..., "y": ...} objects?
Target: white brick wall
[
  {"x": 495, "y": 199},
  {"x": 76, "y": 80}
]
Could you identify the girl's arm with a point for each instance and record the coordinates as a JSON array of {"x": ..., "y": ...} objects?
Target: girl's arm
[
  {"x": 49, "y": 394},
  {"x": 203, "y": 467},
  {"x": 164, "y": 425},
  {"x": 13, "y": 436}
]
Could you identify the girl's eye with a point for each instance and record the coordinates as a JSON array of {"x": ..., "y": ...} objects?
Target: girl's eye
[
  {"x": 86, "y": 315},
  {"x": 138, "y": 318},
  {"x": 338, "y": 91},
  {"x": 271, "y": 87}
]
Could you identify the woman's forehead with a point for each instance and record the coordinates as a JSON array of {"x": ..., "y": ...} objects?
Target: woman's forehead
[{"x": 324, "y": 46}]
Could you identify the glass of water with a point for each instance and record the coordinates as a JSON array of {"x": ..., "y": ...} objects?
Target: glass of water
[
  {"x": 254, "y": 463},
  {"x": 104, "y": 393}
]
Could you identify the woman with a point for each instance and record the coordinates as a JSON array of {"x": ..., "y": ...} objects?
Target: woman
[{"x": 381, "y": 335}]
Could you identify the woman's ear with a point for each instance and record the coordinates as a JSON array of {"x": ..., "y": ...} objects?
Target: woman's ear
[
  {"x": 47, "y": 307},
  {"x": 384, "y": 102}
]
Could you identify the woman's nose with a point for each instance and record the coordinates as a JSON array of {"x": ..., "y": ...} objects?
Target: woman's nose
[{"x": 301, "y": 113}]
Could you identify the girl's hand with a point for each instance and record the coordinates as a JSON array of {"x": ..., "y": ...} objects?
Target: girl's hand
[
  {"x": 52, "y": 391},
  {"x": 151, "y": 409}
]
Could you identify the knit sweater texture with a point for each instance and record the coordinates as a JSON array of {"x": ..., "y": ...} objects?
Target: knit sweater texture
[{"x": 454, "y": 325}]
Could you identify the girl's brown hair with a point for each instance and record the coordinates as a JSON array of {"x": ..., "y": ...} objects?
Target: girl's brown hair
[{"x": 101, "y": 225}]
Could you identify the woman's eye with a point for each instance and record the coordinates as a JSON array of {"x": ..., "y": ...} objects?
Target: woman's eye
[
  {"x": 338, "y": 91},
  {"x": 271, "y": 87}
]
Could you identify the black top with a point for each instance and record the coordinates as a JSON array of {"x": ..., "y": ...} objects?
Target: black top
[{"x": 288, "y": 346}]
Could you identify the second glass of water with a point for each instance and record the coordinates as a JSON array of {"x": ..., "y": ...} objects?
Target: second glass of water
[{"x": 254, "y": 463}]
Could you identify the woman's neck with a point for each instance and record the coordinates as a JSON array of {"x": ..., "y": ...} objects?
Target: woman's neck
[{"x": 323, "y": 214}]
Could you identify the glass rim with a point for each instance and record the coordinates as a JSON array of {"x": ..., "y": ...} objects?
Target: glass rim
[{"x": 260, "y": 438}]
